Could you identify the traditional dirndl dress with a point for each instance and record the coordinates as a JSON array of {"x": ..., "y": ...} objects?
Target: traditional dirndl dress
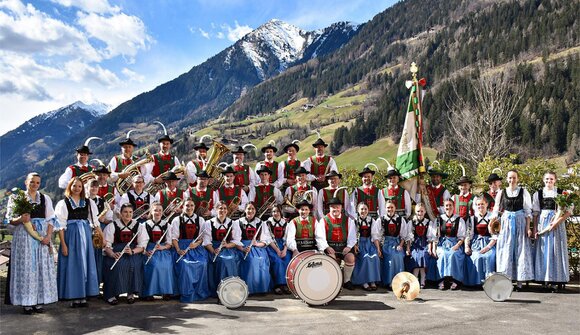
[
  {"x": 227, "y": 263},
  {"x": 127, "y": 275},
  {"x": 514, "y": 248},
  {"x": 551, "y": 259},
  {"x": 419, "y": 251},
  {"x": 191, "y": 271},
  {"x": 158, "y": 278},
  {"x": 451, "y": 263},
  {"x": 478, "y": 266},
  {"x": 393, "y": 260},
  {"x": 77, "y": 272},
  {"x": 367, "y": 268},
  {"x": 255, "y": 269},
  {"x": 32, "y": 270},
  {"x": 278, "y": 265}
]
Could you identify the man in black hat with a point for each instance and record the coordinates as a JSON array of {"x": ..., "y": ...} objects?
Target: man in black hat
[
  {"x": 290, "y": 165},
  {"x": 79, "y": 168},
  {"x": 333, "y": 179},
  {"x": 319, "y": 165},
  {"x": 300, "y": 232},
  {"x": 436, "y": 191},
  {"x": 336, "y": 236},
  {"x": 399, "y": 195},
  {"x": 196, "y": 165},
  {"x": 494, "y": 181},
  {"x": 170, "y": 192},
  {"x": 119, "y": 162},
  {"x": 264, "y": 191},
  {"x": 202, "y": 196},
  {"x": 163, "y": 161},
  {"x": 299, "y": 188},
  {"x": 277, "y": 176},
  {"x": 464, "y": 200},
  {"x": 369, "y": 194},
  {"x": 245, "y": 176},
  {"x": 229, "y": 191},
  {"x": 106, "y": 190}
]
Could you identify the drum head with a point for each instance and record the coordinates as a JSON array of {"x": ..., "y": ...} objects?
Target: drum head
[
  {"x": 232, "y": 292},
  {"x": 498, "y": 287},
  {"x": 317, "y": 280}
]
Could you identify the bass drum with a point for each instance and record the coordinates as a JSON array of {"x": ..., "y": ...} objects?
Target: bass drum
[
  {"x": 314, "y": 277},
  {"x": 232, "y": 292},
  {"x": 498, "y": 287}
]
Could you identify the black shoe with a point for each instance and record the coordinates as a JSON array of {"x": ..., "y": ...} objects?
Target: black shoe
[
  {"x": 112, "y": 302},
  {"x": 278, "y": 291},
  {"x": 150, "y": 298},
  {"x": 27, "y": 310},
  {"x": 83, "y": 304},
  {"x": 367, "y": 288},
  {"x": 130, "y": 301},
  {"x": 348, "y": 285},
  {"x": 75, "y": 304},
  {"x": 166, "y": 297},
  {"x": 38, "y": 309},
  {"x": 286, "y": 290}
]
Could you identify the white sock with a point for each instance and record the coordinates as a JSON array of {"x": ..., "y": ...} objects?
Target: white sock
[{"x": 348, "y": 269}]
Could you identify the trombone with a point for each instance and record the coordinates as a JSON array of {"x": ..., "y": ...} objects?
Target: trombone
[{"x": 267, "y": 205}]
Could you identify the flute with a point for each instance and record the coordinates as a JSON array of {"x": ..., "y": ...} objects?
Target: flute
[
  {"x": 189, "y": 246},
  {"x": 223, "y": 242},
  {"x": 253, "y": 241},
  {"x": 156, "y": 244},
  {"x": 127, "y": 245}
]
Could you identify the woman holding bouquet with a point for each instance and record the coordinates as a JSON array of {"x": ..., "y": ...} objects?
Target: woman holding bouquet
[{"x": 33, "y": 274}]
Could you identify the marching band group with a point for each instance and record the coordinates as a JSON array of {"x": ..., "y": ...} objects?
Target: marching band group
[{"x": 151, "y": 238}]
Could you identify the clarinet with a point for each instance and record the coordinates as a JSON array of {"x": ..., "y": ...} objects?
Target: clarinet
[
  {"x": 189, "y": 246},
  {"x": 126, "y": 246},
  {"x": 253, "y": 241},
  {"x": 156, "y": 244},
  {"x": 223, "y": 242}
]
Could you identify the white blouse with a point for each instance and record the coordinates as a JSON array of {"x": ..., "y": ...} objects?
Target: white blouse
[
  {"x": 511, "y": 194},
  {"x": 142, "y": 236},
  {"x": 152, "y": 225},
  {"x": 265, "y": 236},
  {"x": 61, "y": 212},
  {"x": 204, "y": 227},
  {"x": 48, "y": 209},
  {"x": 377, "y": 231}
]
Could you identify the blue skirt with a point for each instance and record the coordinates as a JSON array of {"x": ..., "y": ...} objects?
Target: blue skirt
[
  {"x": 77, "y": 272},
  {"x": 478, "y": 266},
  {"x": 99, "y": 257},
  {"x": 158, "y": 278},
  {"x": 126, "y": 276},
  {"x": 192, "y": 273},
  {"x": 393, "y": 260},
  {"x": 419, "y": 254},
  {"x": 367, "y": 268},
  {"x": 278, "y": 265},
  {"x": 450, "y": 263},
  {"x": 227, "y": 264},
  {"x": 514, "y": 247},
  {"x": 255, "y": 269},
  {"x": 551, "y": 259}
]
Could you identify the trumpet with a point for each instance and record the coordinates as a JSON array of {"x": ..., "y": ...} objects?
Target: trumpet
[
  {"x": 172, "y": 208},
  {"x": 266, "y": 206},
  {"x": 123, "y": 185},
  {"x": 234, "y": 205}
]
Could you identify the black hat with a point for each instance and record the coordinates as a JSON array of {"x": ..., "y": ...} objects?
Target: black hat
[
  {"x": 127, "y": 141},
  {"x": 264, "y": 168},
  {"x": 333, "y": 173},
  {"x": 291, "y": 145},
  {"x": 84, "y": 150},
  {"x": 318, "y": 142},
  {"x": 228, "y": 169},
  {"x": 464, "y": 179},
  {"x": 366, "y": 170},
  {"x": 391, "y": 172},
  {"x": 334, "y": 201},
  {"x": 102, "y": 169},
  {"x": 269, "y": 146},
  {"x": 434, "y": 172},
  {"x": 200, "y": 146},
  {"x": 170, "y": 176},
  {"x": 303, "y": 202},
  {"x": 239, "y": 150},
  {"x": 493, "y": 177},
  {"x": 202, "y": 174},
  {"x": 301, "y": 170},
  {"x": 165, "y": 138}
]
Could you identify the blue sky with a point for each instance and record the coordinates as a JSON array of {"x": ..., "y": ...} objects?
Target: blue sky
[{"x": 54, "y": 52}]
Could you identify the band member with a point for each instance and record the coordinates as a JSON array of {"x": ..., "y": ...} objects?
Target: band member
[
  {"x": 192, "y": 269},
  {"x": 265, "y": 192},
  {"x": 278, "y": 250},
  {"x": 137, "y": 197},
  {"x": 196, "y": 165},
  {"x": 479, "y": 246},
  {"x": 551, "y": 261},
  {"x": 494, "y": 181},
  {"x": 395, "y": 231},
  {"x": 230, "y": 193},
  {"x": 251, "y": 241},
  {"x": 324, "y": 195},
  {"x": 300, "y": 187},
  {"x": 202, "y": 196},
  {"x": 119, "y": 162},
  {"x": 277, "y": 176},
  {"x": 450, "y": 254},
  {"x": 80, "y": 167},
  {"x": 32, "y": 270},
  {"x": 319, "y": 165},
  {"x": 418, "y": 246},
  {"x": 245, "y": 176},
  {"x": 170, "y": 192},
  {"x": 105, "y": 216},
  {"x": 290, "y": 165},
  {"x": 336, "y": 236},
  {"x": 222, "y": 248},
  {"x": 77, "y": 271},
  {"x": 300, "y": 233},
  {"x": 369, "y": 194},
  {"x": 163, "y": 161},
  {"x": 367, "y": 269},
  {"x": 398, "y": 194},
  {"x": 514, "y": 245},
  {"x": 436, "y": 191},
  {"x": 464, "y": 200},
  {"x": 125, "y": 242},
  {"x": 158, "y": 276}
]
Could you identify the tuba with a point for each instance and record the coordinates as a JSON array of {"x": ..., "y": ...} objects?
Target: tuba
[
  {"x": 153, "y": 187},
  {"x": 125, "y": 184},
  {"x": 212, "y": 168}
]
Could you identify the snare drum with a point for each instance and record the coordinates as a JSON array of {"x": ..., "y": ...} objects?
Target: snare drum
[
  {"x": 232, "y": 292},
  {"x": 498, "y": 287},
  {"x": 314, "y": 277}
]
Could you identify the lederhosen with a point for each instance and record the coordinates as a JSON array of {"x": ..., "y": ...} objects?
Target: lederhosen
[
  {"x": 161, "y": 165},
  {"x": 399, "y": 199},
  {"x": 336, "y": 233},
  {"x": 372, "y": 200},
  {"x": 305, "y": 239},
  {"x": 319, "y": 169},
  {"x": 189, "y": 228}
]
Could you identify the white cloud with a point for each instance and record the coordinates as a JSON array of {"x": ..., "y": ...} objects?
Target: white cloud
[
  {"x": 132, "y": 75},
  {"x": 220, "y": 35},
  {"x": 81, "y": 72},
  {"x": 237, "y": 31},
  {"x": 204, "y": 33},
  {"x": 90, "y": 6}
]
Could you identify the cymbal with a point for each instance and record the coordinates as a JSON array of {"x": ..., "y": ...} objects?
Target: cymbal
[{"x": 405, "y": 286}]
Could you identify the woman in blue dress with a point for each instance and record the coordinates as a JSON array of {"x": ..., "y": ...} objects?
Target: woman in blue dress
[
  {"x": 127, "y": 275},
  {"x": 367, "y": 268},
  {"x": 158, "y": 278},
  {"x": 251, "y": 240},
  {"x": 192, "y": 270},
  {"x": 394, "y": 229},
  {"x": 77, "y": 270},
  {"x": 418, "y": 246},
  {"x": 32, "y": 270},
  {"x": 224, "y": 262},
  {"x": 278, "y": 251},
  {"x": 551, "y": 260},
  {"x": 450, "y": 254},
  {"x": 479, "y": 246}
]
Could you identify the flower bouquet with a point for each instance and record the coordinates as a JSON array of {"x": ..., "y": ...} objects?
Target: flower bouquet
[
  {"x": 565, "y": 202},
  {"x": 21, "y": 205}
]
